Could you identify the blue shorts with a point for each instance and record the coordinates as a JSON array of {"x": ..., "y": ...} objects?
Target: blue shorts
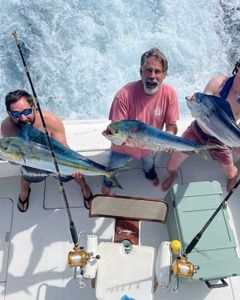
[{"x": 118, "y": 160}]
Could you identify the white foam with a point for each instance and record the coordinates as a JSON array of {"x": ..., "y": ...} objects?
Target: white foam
[{"x": 79, "y": 53}]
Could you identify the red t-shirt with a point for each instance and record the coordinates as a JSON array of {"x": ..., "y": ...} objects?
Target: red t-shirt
[{"x": 131, "y": 102}]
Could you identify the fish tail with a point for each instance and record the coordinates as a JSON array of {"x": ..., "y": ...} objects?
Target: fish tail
[
  {"x": 214, "y": 146},
  {"x": 114, "y": 180},
  {"x": 112, "y": 176},
  {"x": 208, "y": 146}
]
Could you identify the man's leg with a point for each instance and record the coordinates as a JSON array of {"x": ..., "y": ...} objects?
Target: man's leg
[
  {"x": 225, "y": 158},
  {"x": 23, "y": 196},
  {"x": 174, "y": 163},
  {"x": 116, "y": 160},
  {"x": 149, "y": 170},
  {"x": 84, "y": 187},
  {"x": 24, "y": 189},
  {"x": 231, "y": 172},
  {"x": 192, "y": 134}
]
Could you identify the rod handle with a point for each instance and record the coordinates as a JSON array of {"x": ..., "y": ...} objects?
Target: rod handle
[
  {"x": 14, "y": 33},
  {"x": 193, "y": 243},
  {"x": 74, "y": 233}
]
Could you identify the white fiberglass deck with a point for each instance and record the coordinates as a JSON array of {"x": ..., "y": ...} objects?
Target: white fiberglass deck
[{"x": 34, "y": 245}]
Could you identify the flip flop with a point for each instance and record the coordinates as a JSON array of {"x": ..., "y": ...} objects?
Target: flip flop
[
  {"x": 24, "y": 203},
  {"x": 87, "y": 201}
]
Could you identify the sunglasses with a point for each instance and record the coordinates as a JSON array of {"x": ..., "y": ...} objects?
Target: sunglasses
[{"x": 17, "y": 114}]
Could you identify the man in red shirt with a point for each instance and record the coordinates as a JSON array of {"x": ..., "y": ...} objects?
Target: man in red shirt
[{"x": 148, "y": 100}]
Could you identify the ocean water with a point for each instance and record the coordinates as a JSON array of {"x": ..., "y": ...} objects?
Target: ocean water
[{"x": 79, "y": 53}]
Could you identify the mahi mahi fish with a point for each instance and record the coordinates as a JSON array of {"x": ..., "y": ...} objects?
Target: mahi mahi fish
[
  {"x": 136, "y": 134},
  {"x": 28, "y": 148},
  {"x": 215, "y": 116}
]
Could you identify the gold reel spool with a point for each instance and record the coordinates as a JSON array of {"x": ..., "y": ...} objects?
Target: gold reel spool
[
  {"x": 181, "y": 267},
  {"x": 78, "y": 257}
]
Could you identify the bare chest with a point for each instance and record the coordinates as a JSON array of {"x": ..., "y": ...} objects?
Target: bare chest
[{"x": 234, "y": 101}]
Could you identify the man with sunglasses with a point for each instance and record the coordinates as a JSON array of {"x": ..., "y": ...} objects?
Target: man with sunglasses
[
  {"x": 21, "y": 110},
  {"x": 228, "y": 88}
]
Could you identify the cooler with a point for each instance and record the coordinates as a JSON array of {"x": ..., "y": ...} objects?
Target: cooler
[{"x": 190, "y": 207}]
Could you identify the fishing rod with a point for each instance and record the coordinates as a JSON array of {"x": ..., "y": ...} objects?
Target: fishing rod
[
  {"x": 49, "y": 144},
  {"x": 181, "y": 262}
]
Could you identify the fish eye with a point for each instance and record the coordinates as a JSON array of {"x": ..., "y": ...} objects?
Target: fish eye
[{"x": 116, "y": 131}]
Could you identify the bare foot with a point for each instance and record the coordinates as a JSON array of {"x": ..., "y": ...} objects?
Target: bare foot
[
  {"x": 155, "y": 181},
  {"x": 24, "y": 195},
  {"x": 167, "y": 183},
  {"x": 231, "y": 182},
  {"x": 23, "y": 204},
  {"x": 107, "y": 191}
]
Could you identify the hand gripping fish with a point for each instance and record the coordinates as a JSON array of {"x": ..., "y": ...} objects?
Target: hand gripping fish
[
  {"x": 28, "y": 148},
  {"x": 215, "y": 115},
  {"x": 136, "y": 134}
]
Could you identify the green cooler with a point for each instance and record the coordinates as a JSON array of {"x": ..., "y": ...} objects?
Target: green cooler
[{"x": 190, "y": 207}]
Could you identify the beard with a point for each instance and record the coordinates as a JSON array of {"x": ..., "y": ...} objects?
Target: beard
[
  {"x": 151, "y": 86},
  {"x": 30, "y": 122}
]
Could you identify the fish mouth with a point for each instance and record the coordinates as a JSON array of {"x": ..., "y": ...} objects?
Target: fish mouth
[
  {"x": 191, "y": 98},
  {"x": 107, "y": 132}
]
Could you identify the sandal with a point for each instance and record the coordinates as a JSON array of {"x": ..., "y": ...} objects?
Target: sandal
[
  {"x": 24, "y": 204},
  {"x": 88, "y": 200}
]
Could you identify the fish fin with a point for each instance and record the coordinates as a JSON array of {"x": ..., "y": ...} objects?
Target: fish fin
[
  {"x": 119, "y": 170},
  {"x": 202, "y": 154},
  {"x": 208, "y": 147},
  {"x": 119, "y": 143},
  {"x": 23, "y": 157},
  {"x": 33, "y": 175},
  {"x": 114, "y": 180}
]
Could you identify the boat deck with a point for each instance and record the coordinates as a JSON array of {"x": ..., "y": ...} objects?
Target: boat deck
[{"x": 34, "y": 245}]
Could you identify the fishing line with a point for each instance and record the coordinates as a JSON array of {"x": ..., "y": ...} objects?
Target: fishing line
[{"x": 49, "y": 144}]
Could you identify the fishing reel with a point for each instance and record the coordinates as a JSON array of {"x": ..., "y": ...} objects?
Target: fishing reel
[
  {"x": 181, "y": 267},
  {"x": 80, "y": 258}
]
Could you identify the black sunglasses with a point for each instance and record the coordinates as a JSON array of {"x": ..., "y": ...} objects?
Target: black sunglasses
[{"x": 17, "y": 114}]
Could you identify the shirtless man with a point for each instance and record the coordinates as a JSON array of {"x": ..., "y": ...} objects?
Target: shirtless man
[
  {"x": 21, "y": 110},
  {"x": 229, "y": 90}
]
